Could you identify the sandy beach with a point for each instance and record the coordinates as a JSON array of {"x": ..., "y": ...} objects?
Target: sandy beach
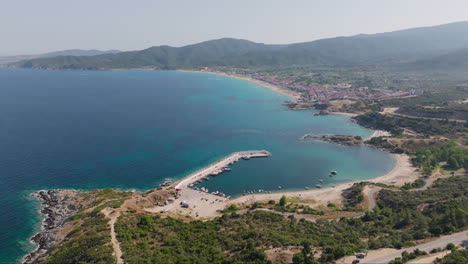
[
  {"x": 292, "y": 94},
  {"x": 205, "y": 205},
  {"x": 402, "y": 172}
]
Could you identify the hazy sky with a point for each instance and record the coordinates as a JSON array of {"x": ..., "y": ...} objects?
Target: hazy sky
[{"x": 37, "y": 26}]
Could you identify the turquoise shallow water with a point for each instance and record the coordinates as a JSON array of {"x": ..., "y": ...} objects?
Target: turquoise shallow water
[{"x": 131, "y": 129}]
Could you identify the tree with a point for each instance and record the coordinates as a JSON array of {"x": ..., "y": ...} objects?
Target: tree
[
  {"x": 282, "y": 201},
  {"x": 306, "y": 256},
  {"x": 450, "y": 246},
  {"x": 453, "y": 163},
  {"x": 427, "y": 170}
]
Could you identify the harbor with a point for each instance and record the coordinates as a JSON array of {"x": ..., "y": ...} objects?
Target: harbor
[
  {"x": 218, "y": 167},
  {"x": 200, "y": 202}
]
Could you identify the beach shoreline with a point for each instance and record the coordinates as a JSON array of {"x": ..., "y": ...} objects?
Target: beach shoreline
[
  {"x": 294, "y": 96},
  {"x": 206, "y": 206},
  {"x": 57, "y": 205},
  {"x": 402, "y": 172}
]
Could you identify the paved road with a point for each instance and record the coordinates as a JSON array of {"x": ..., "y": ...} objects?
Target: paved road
[
  {"x": 441, "y": 242},
  {"x": 392, "y": 111}
]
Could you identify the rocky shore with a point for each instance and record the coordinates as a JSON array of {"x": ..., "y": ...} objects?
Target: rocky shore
[
  {"x": 293, "y": 105},
  {"x": 57, "y": 207},
  {"x": 337, "y": 139}
]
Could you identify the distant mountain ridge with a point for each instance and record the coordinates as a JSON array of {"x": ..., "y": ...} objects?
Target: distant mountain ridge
[
  {"x": 403, "y": 46},
  {"x": 71, "y": 52},
  {"x": 79, "y": 52}
]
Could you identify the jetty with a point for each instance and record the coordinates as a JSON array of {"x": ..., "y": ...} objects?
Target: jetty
[
  {"x": 199, "y": 202},
  {"x": 217, "y": 167}
]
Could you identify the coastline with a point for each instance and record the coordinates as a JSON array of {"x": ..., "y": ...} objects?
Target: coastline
[
  {"x": 291, "y": 94},
  {"x": 402, "y": 172},
  {"x": 343, "y": 114},
  {"x": 376, "y": 133},
  {"x": 380, "y": 133},
  {"x": 56, "y": 207}
]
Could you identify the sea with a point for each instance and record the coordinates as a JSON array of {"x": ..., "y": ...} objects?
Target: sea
[{"x": 131, "y": 129}]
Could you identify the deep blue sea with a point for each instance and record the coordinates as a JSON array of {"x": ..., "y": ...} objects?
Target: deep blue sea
[{"x": 131, "y": 129}]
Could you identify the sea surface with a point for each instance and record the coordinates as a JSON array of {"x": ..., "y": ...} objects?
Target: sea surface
[{"x": 132, "y": 129}]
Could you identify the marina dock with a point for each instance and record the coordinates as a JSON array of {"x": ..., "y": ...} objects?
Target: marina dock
[
  {"x": 217, "y": 167},
  {"x": 201, "y": 202}
]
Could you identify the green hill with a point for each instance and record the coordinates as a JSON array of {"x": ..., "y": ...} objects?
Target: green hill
[
  {"x": 453, "y": 61},
  {"x": 384, "y": 48}
]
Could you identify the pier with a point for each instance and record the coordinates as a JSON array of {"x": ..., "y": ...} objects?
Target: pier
[
  {"x": 197, "y": 203},
  {"x": 218, "y": 165}
]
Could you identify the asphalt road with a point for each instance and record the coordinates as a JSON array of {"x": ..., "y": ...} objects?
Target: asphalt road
[{"x": 441, "y": 242}]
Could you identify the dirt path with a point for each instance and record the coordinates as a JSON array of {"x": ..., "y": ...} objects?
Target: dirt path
[
  {"x": 296, "y": 215},
  {"x": 371, "y": 193},
  {"x": 431, "y": 180},
  {"x": 113, "y": 215}
]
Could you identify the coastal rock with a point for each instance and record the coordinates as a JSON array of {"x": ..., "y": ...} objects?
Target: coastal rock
[
  {"x": 58, "y": 206},
  {"x": 298, "y": 106},
  {"x": 322, "y": 112},
  {"x": 337, "y": 139}
]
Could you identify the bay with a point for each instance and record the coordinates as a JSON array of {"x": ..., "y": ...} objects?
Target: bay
[{"x": 132, "y": 129}]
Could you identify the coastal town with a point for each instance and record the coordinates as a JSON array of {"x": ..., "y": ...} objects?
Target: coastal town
[
  {"x": 325, "y": 93},
  {"x": 316, "y": 93}
]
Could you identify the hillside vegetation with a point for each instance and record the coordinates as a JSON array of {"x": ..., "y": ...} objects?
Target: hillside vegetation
[
  {"x": 394, "y": 47},
  {"x": 397, "y": 124},
  {"x": 452, "y": 61},
  {"x": 399, "y": 218}
]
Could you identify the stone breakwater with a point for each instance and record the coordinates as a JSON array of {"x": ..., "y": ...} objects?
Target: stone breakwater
[
  {"x": 216, "y": 166},
  {"x": 57, "y": 207}
]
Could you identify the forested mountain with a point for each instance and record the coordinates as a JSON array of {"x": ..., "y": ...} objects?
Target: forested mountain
[
  {"x": 72, "y": 52},
  {"x": 393, "y": 47},
  {"x": 398, "y": 46},
  {"x": 215, "y": 52}
]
